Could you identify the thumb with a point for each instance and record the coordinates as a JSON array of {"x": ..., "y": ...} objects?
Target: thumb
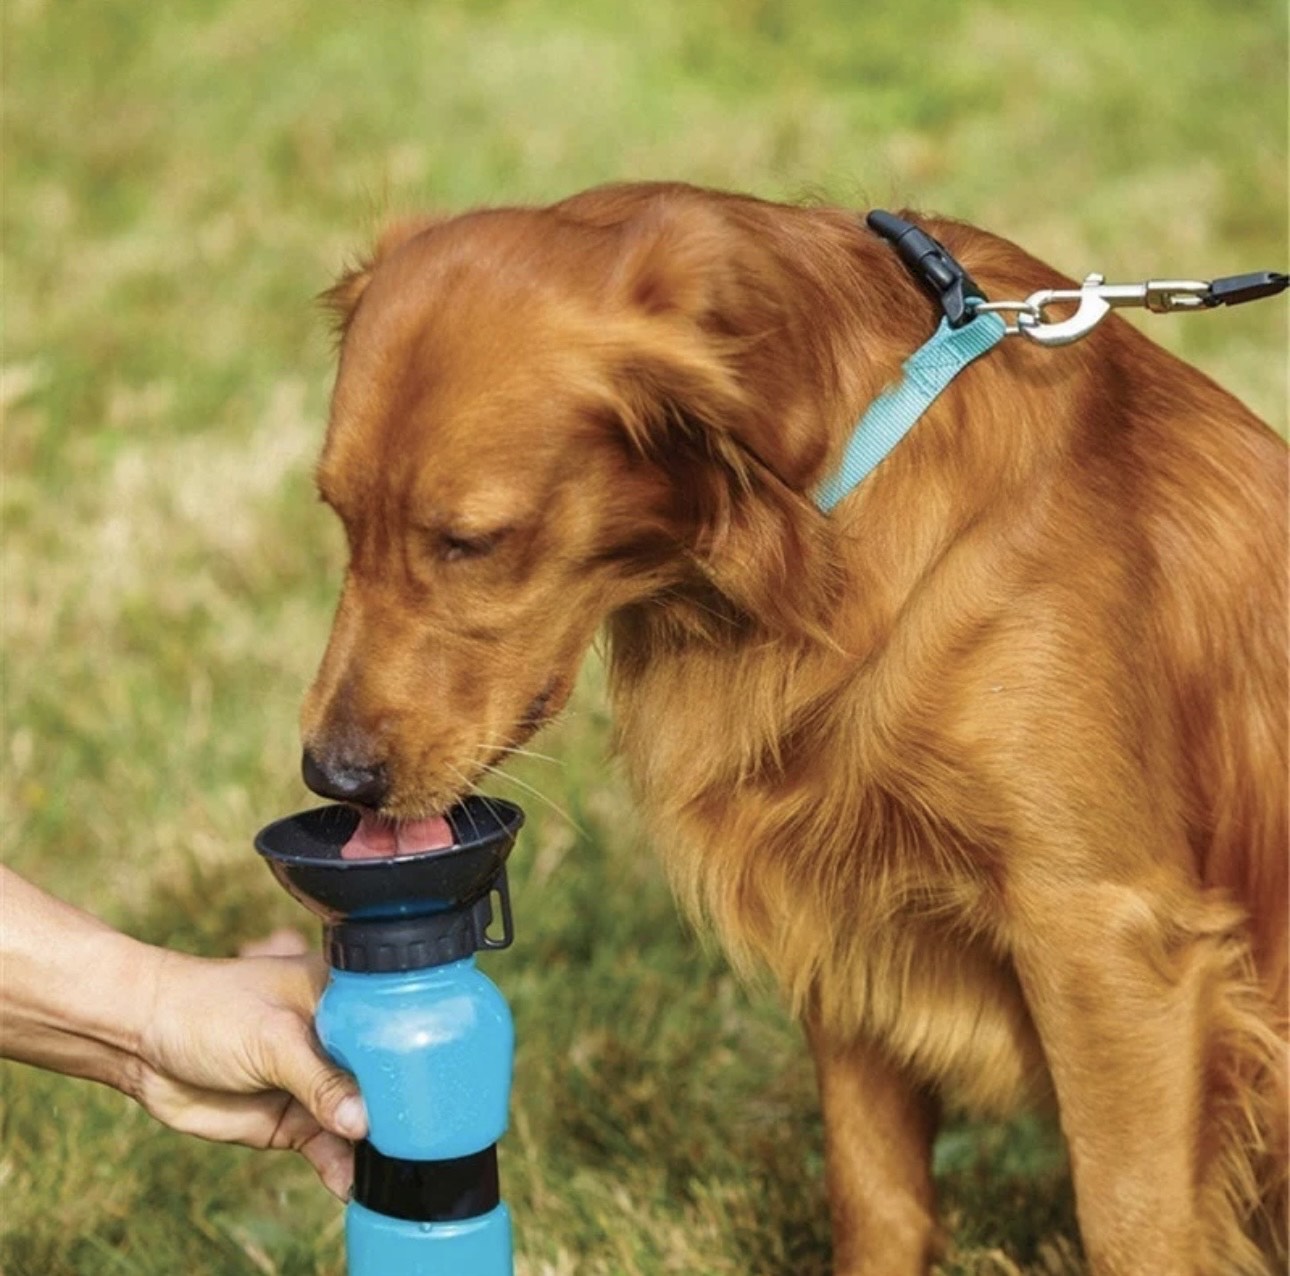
[{"x": 329, "y": 1093}]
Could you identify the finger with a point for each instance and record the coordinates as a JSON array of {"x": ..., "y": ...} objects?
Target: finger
[
  {"x": 331, "y": 1157},
  {"x": 333, "y": 1160},
  {"x": 270, "y": 1118},
  {"x": 328, "y": 1093}
]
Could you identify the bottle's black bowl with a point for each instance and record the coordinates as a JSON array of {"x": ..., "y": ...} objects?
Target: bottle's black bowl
[{"x": 303, "y": 852}]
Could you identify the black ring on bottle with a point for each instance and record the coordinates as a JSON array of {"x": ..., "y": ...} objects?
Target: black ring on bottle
[{"x": 426, "y": 1191}]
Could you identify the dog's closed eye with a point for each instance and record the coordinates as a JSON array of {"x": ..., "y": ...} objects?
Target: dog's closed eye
[{"x": 452, "y": 547}]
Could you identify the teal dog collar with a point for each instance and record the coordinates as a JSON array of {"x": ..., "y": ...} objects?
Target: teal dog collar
[
  {"x": 895, "y": 411},
  {"x": 963, "y": 335}
]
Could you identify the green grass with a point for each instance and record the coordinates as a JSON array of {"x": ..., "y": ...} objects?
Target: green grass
[{"x": 180, "y": 179}]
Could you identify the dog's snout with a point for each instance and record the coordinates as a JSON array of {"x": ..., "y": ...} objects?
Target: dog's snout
[{"x": 344, "y": 780}]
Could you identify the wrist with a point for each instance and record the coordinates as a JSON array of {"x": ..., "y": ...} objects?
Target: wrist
[
  {"x": 130, "y": 985},
  {"x": 122, "y": 1018}
]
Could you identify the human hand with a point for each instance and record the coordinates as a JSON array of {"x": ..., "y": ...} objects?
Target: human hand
[
  {"x": 224, "y": 1049},
  {"x": 228, "y": 1053}
]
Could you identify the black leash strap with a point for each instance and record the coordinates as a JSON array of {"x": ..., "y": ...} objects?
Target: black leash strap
[{"x": 1233, "y": 290}]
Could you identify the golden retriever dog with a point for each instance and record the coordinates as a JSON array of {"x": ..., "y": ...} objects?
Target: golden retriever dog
[{"x": 987, "y": 766}]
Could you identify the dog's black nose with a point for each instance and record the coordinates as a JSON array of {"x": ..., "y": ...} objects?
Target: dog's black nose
[{"x": 345, "y": 782}]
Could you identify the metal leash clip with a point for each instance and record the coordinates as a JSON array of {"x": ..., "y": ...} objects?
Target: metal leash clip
[{"x": 1097, "y": 299}]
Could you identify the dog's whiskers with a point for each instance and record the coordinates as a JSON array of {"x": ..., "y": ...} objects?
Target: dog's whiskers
[
  {"x": 537, "y": 793},
  {"x": 465, "y": 784},
  {"x": 516, "y": 751}
]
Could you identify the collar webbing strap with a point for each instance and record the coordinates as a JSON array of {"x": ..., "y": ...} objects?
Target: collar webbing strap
[{"x": 895, "y": 411}]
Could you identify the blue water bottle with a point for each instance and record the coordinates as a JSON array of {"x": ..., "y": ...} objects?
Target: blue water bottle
[{"x": 425, "y": 1032}]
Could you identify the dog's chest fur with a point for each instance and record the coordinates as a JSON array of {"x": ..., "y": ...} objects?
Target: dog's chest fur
[{"x": 869, "y": 917}]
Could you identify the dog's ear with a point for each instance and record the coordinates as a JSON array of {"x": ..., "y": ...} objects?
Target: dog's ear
[
  {"x": 716, "y": 286},
  {"x": 712, "y": 395},
  {"x": 669, "y": 261},
  {"x": 342, "y": 298}
]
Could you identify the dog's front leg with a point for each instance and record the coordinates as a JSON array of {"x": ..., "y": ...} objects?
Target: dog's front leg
[
  {"x": 878, "y": 1130},
  {"x": 1119, "y": 1002}
]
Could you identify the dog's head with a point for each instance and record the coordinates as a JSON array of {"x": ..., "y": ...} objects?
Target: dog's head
[{"x": 541, "y": 417}]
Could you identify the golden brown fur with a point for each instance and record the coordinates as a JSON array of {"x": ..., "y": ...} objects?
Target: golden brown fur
[{"x": 988, "y": 768}]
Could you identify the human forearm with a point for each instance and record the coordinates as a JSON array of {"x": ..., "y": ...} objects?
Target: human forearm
[{"x": 74, "y": 994}]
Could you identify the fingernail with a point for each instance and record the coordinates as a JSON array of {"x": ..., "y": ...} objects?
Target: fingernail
[{"x": 351, "y": 1117}]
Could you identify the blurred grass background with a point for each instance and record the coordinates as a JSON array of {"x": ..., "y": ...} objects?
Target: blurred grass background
[{"x": 179, "y": 180}]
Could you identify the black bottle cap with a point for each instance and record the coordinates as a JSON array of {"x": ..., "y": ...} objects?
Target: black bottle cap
[{"x": 386, "y": 945}]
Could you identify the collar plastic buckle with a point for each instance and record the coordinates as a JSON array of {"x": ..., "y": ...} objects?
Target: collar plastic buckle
[{"x": 929, "y": 263}]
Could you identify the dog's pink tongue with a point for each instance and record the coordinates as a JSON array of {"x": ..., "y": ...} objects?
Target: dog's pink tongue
[{"x": 375, "y": 838}]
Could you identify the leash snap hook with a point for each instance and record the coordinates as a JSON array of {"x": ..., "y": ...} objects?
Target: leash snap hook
[
  {"x": 1093, "y": 308},
  {"x": 1097, "y": 299}
]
